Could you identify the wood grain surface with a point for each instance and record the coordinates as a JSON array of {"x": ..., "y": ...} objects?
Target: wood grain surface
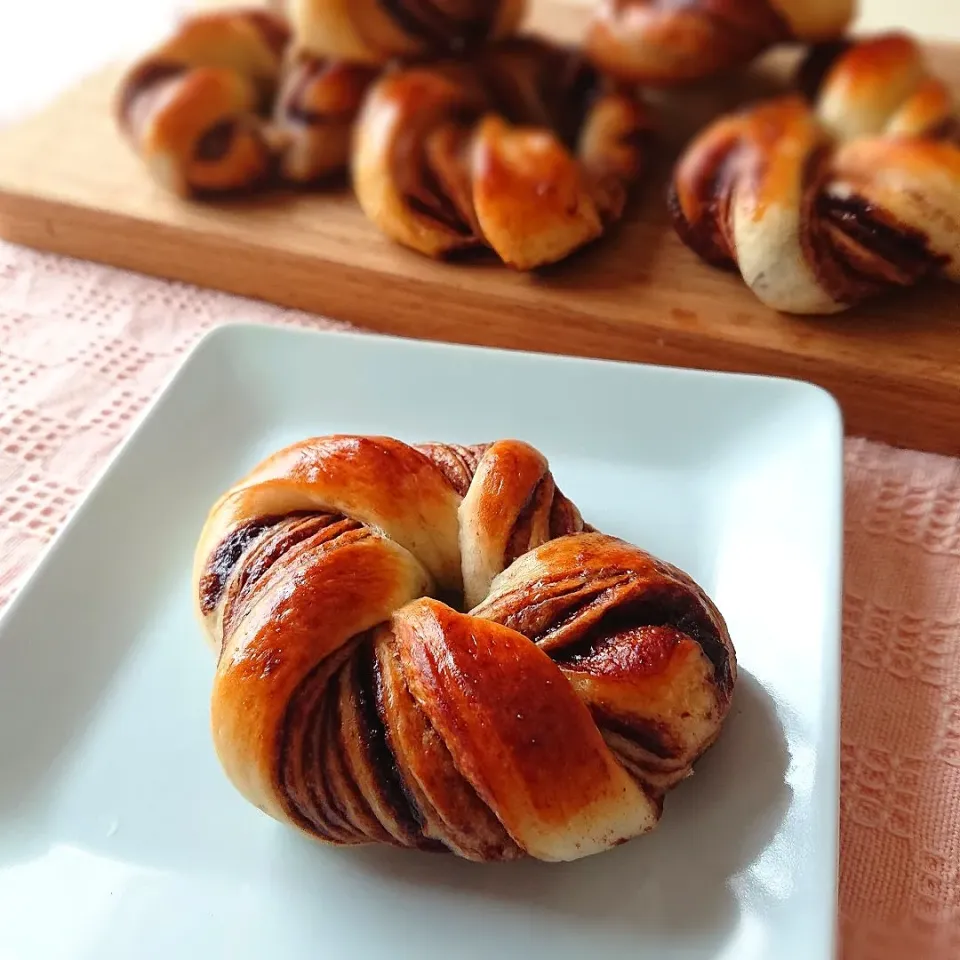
[{"x": 69, "y": 184}]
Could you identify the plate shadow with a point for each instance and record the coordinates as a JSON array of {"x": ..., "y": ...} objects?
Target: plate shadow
[{"x": 676, "y": 882}]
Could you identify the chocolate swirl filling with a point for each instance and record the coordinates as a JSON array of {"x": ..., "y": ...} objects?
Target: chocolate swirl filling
[
  {"x": 530, "y": 83},
  {"x": 856, "y": 248},
  {"x": 442, "y": 24}
]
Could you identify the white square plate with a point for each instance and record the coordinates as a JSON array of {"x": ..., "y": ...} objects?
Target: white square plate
[{"x": 121, "y": 838}]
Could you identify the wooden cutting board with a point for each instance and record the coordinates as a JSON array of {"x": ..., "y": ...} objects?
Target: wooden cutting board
[{"x": 69, "y": 184}]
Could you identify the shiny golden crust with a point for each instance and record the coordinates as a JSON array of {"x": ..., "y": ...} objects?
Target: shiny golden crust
[
  {"x": 223, "y": 105},
  {"x": 662, "y": 42},
  {"x": 351, "y": 699},
  {"x": 825, "y": 202},
  {"x": 523, "y": 149},
  {"x": 377, "y": 31},
  {"x": 193, "y": 107}
]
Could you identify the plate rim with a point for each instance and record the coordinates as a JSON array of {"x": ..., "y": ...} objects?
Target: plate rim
[{"x": 210, "y": 340}]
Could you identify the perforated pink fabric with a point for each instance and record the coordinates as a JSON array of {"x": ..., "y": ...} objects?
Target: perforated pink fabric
[{"x": 83, "y": 348}]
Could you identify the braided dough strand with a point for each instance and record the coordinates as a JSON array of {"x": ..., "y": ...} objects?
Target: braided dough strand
[{"x": 822, "y": 204}]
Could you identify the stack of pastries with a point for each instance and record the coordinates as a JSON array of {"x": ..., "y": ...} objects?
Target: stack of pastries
[{"x": 460, "y": 131}]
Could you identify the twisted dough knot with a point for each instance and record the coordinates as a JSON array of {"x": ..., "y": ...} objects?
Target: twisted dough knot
[
  {"x": 822, "y": 206},
  {"x": 548, "y": 722},
  {"x": 663, "y": 42},
  {"x": 376, "y": 31},
  {"x": 525, "y": 149},
  {"x": 223, "y": 105}
]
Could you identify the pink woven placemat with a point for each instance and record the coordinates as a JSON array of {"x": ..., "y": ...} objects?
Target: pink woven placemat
[{"x": 83, "y": 348}]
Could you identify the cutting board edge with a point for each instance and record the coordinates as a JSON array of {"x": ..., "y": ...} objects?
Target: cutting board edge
[{"x": 97, "y": 235}]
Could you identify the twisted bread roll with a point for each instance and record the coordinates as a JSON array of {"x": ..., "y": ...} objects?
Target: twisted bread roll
[
  {"x": 664, "y": 42},
  {"x": 314, "y": 115},
  {"x": 548, "y": 722},
  {"x": 376, "y": 31},
  {"x": 198, "y": 108},
  {"x": 192, "y": 107},
  {"x": 822, "y": 206},
  {"x": 524, "y": 149}
]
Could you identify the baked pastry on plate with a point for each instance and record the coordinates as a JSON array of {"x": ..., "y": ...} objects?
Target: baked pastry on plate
[{"x": 425, "y": 646}]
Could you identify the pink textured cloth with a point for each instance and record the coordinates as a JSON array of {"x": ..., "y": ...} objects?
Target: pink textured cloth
[{"x": 83, "y": 348}]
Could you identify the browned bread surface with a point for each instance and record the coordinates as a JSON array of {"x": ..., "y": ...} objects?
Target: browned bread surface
[
  {"x": 377, "y": 31},
  {"x": 666, "y": 42},
  {"x": 524, "y": 149},
  {"x": 354, "y": 700},
  {"x": 826, "y": 200},
  {"x": 226, "y": 104}
]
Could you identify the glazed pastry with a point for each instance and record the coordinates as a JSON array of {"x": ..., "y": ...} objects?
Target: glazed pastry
[
  {"x": 314, "y": 116},
  {"x": 376, "y": 31},
  {"x": 823, "y": 202},
  {"x": 194, "y": 108},
  {"x": 223, "y": 106},
  {"x": 353, "y": 700},
  {"x": 524, "y": 149},
  {"x": 663, "y": 42}
]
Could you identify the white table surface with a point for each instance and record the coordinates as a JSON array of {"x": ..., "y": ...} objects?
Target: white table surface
[{"x": 47, "y": 44}]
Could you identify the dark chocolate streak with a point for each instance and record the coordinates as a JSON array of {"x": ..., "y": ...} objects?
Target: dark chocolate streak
[
  {"x": 273, "y": 544},
  {"x": 745, "y": 26},
  {"x": 640, "y": 138},
  {"x": 427, "y": 22},
  {"x": 426, "y": 194},
  {"x": 457, "y": 464},
  {"x": 817, "y": 64},
  {"x": 374, "y": 737},
  {"x": 329, "y": 773},
  {"x": 898, "y": 244},
  {"x": 740, "y": 29},
  {"x": 646, "y": 734},
  {"x": 303, "y": 789},
  {"x": 706, "y": 236},
  {"x": 291, "y": 106},
  {"x": 433, "y": 202},
  {"x": 215, "y": 142},
  {"x": 564, "y": 517},
  {"x": 349, "y": 801},
  {"x": 315, "y": 70},
  {"x": 275, "y": 32},
  {"x": 566, "y": 85},
  {"x": 312, "y": 800},
  {"x": 227, "y": 555},
  {"x": 313, "y": 775},
  {"x": 141, "y": 79},
  {"x": 518, "y": 542},
  {"x": 893, "y": 254},
  {"x": 548, "y": 607},
  {"x": 671, "y": 606},
  {"x": 579, "y": 87},
  {"x": 947, "y": 130}
]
